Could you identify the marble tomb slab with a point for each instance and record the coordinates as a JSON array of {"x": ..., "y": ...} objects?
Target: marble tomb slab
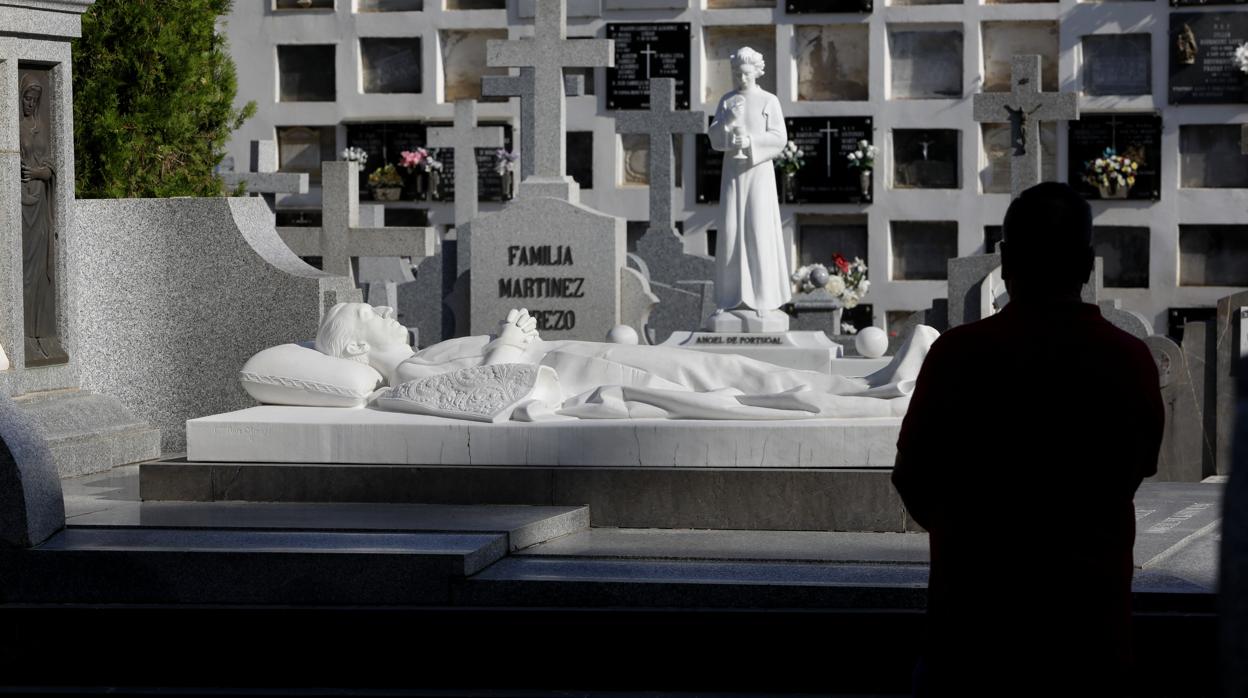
[{"x": 281, "y": 434}]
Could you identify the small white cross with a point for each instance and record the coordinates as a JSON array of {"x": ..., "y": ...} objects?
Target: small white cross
[{"x": 828, "y": 131}]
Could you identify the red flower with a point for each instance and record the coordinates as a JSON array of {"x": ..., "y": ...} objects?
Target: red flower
[{"x": 841, "y": 263}]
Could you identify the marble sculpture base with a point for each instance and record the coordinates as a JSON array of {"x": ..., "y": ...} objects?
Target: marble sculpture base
[{"x": 804, "y": 350}]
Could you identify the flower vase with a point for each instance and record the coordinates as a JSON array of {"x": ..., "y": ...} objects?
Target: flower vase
[
  {"x": 435, "y": 180},
  {"x": 1113, "y": 191},
  {"x": 789, "y": 185},
  {"x": 422, "y": 186},
  {"x": 387, "y": 193},
  {"x": 836, "y": 320},
  {"x": 509, "y": 178},
  {"x": 864, "y": 183}
]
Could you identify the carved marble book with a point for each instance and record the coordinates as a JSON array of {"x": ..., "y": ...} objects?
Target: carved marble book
[{"x": 479, "y": 393}]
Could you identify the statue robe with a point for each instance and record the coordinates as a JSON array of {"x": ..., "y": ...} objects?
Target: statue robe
[{"x": 751, "y": 262}]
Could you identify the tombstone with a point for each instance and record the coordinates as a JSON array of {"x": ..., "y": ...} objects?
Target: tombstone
[
  {"x": 833, "y": 62},
  {"x": 32, "y": 508},
  {"x": 1199, "y": 353},
  {"x": 465, "y": 61},
  {"x": 41, "y": 256},
  {"x": 1213, "y": 156},
  {"x": 1129, "y": 321},
  {"x": 522, "y": 86},
  {"x": 263, "y": 178},
  {"x": 1180, "y": 458},
  {"x": 1213, "y": 254},
  {"x": 464, "y": 138},
  {"x": 925, "y": 63},
  {"x": 1232, "y": 348},
  {"x": 1233, "y": 583},
  {"x": 1024, "y": 107},
  {"x": 827, "y": 177},
  {"x": 340, "y": 235},
  {"x": 1202, "y": 57},
  {"x": 921, "y": 250},
  {"x": 1002, "y": 41},
  {"x": 390, "y": 65},
  {"x": 966, "y": 278},
  {"x": 1117, "y": 64},
  {"x": 644, "y": 51}
]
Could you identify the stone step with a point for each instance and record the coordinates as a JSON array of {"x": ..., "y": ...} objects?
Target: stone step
[
  {"x": 178, "y": 566},
  {"x": 90, "y": 433}
]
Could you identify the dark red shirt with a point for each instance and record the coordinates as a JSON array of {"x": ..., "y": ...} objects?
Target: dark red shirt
[{"x": 1025, "y": 440}]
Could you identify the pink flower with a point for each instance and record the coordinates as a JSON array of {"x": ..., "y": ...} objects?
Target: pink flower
[{"x": 411, "y": 158}]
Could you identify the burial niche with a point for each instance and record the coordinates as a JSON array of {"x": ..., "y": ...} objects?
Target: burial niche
[
  {"x": 303, "y": 4},
  {"x": 994, "y": 176},
  {"x": 721, "y": 42},
  {"x": 1124, "y": 249},
  {"x": 822, "y": 237},
  {"x": 306, "y": 73},
  {"x": 1004, "y": 40},
  {"x": 390, "y": 65},
  {"x": 1213, "y": 255},
  {"x": 1213, "y": 156},
  {"x": 1117, "y": 64},
  {"x": 463, "y": 62},
  {"x": 302, "y": 149},
  {"x": 921, "y": 250},
  {"x": 925, "y": 158},
  {"x": 389, "y": 5},
  {"x": 832, "y": 62},
  {"x": 476, "y": 4},
  {"x": 925, "y": 62},
  {"x": 39, "y": 224},
  {"x": 636, "y": 160}
]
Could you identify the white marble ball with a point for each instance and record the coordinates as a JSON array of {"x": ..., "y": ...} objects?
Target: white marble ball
[
  {"x": 623, "y": 334},
  {"x": 871, "y": 342}
]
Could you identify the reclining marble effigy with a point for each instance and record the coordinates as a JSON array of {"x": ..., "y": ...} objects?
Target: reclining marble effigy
[{"x": 361, "y": 358}]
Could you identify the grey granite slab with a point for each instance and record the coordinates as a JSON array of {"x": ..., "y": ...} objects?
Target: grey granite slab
[
  {"x": 31, "y": 508},
  {"x": 1169, "y": 516}
]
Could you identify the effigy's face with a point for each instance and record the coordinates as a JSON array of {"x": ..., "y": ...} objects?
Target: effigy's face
[
  {"x": 744, "y": 76},
  {"x": 30, "y": 102},
  {"x": 378, "y": 327}
]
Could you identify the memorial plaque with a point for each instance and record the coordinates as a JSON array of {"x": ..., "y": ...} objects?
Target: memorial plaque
[
  {"x": 1213, "y": 255},
  {"x": 833, "y": 62},
  {"x": 1134, "y": 136},
  {"x": 798, "y": 7},
  {"x": 1213, "y": 156},
  {"x": 925, "y": 63},
  {"x": 1177, "y": 319},
  {"x": 1124, "y": 250},
  {"x": 464, "y": 64},
  {"x": 390, "y": 65},
  {"x": 925, "y": 158},
  {"x": 921, "y": 250},
  {"x": 827, "y": 177},
  {"x": 384, "y": 141},
  {"x": 1202, "y": 58},
  {"x": 709, "y": 164},
  {"x": 1004, "y": 40},
  {"x": 306, "y": 73},
  {"x": 820, "y": 238},
  {"x": 644, "y": 51},
  {"x": 489, "y": 181},
  {"x": 1117, "y": 64}
]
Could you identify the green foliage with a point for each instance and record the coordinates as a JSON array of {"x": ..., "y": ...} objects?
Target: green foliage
[{"x": 154, "y": 89}]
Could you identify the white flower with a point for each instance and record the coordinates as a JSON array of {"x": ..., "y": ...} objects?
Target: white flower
[
  {"x": 354, "y": 154},
  {"x": 850, "y": 300},
  {"x": 864, "y": 286},
  {"x": 847, "y": 328},
  {"x": 835, "y": 285},
  {"x": 863, "y": 144},
  {"x": 1241, "y": 57}
]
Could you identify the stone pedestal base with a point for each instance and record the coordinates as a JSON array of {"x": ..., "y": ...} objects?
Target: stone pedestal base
[
  {"x": 807, "y": 351},
  {"x": 747, "y": 320},
  {"x": 89, "y": 433}
]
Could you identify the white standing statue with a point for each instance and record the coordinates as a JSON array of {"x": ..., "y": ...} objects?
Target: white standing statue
[
  {"x": 516, "y": 375},
  {"x": 751, "y": 263}
]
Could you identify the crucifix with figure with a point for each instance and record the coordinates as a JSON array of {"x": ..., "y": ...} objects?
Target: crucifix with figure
[
  {"x": 1024, "y": 107},
  {"x": 548, "y": 53},
  {"x": 660, "y": 122}
]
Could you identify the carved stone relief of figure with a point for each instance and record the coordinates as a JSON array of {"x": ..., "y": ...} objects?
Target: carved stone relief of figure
[
  {"x": 43, "y": 345},
  {"x": 1186, "y": 46}
]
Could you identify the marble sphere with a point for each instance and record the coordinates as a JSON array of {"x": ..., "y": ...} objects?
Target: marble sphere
[
  {"x": 623, "y": 334},
  {"x": 871, "y": 342},
  {"x": 819, "y": 277}
]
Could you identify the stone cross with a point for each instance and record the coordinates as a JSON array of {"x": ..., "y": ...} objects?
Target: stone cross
[
  {"x": 465, "y": 137},
  {"x": 548, "y": 53},
  {"x": 660, "y": 121},
  {"x": 264, "y": 179},
  {"x": 522, "y": 86},
  {"x": 1024, "y": 107},
  {"x": 340, "y": 236}
]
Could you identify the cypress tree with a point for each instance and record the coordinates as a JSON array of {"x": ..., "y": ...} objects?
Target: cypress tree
[{"x": 154, "y": 88}]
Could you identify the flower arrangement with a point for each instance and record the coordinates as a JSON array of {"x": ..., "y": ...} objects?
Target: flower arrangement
[
  {"x": 420, "y": 159},
  {"x": 791, "y": 159},
  {"x": 1111, "y": 172},
  {"x": 864, "y": 157},
  {"x": 354, "y": 154},
  {"x": 504, "y": 161},
  {"x": 383, "y": 177},
  {"x": 845, "y": 280},
  {"x": 1241, "y": 58}
]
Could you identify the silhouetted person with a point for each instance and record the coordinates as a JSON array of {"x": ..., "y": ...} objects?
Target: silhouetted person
[{"x": 1026, "y": 438}]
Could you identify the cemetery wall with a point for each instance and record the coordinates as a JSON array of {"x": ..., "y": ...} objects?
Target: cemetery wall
[{"x": 1178, "y": 241}]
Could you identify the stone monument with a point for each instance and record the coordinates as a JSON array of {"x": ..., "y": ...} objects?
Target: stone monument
[{"x": 264, "y": 179}]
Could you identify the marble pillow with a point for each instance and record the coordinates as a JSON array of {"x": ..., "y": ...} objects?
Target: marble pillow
[{"x": 292, "y": 374}]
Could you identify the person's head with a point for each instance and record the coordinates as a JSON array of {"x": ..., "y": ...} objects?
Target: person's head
[
  {"x": 1047, "y": 240},
  {"x": 748, "y": 66},
  {"x": 354, "y": 330},
  {"x": 31, "y": 92}
]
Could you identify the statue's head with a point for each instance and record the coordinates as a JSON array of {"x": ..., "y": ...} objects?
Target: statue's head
[
  {"x": 355, "y": 330},
  {"x": 31, "y": 92},
  {"x": 748, "y": 66},
  {"x": 1047, "y": 238}
]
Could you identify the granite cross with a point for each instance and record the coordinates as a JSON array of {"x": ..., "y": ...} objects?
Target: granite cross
[
  {"x": 522, "y": 86},
  {"x": 548, "y": 53},
  {"x": 264, "y": 179},
  {"x": 660, "y": 121},
  {"x": 465, "y": 137},
  {"x": 340, "y": 237},
  {"x": 1024, "y": 107}
]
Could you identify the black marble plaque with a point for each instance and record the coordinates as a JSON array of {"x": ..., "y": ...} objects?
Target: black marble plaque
[
  {"x": 580, "y": 149},
  {"x": 826, "y": 141},
  {"x": 1202, "y": 58},
  {"x": 709, "y": 164},
  {"x": 799, "y": 7},
  {"x": 1137, "y": 136},
  {"x": 1201, "y": 3},
  {"x": 644, "y": 51},
  {"x": 384, "y": 141},
  {"x": 489, "y": 181},
  {"x": 1177, "y": 319}
]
